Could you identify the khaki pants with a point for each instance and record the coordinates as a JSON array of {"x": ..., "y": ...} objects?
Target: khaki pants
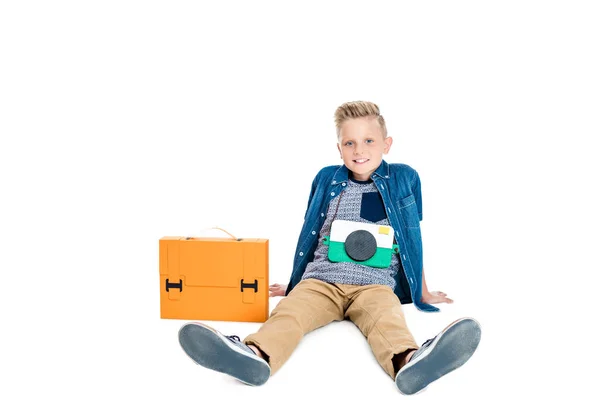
[{"x": 375, "y": 310}]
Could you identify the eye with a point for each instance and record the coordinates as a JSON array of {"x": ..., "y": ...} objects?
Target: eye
[
  {"x": 349, "y": 143},
  {"x": 370, "y": 141}
]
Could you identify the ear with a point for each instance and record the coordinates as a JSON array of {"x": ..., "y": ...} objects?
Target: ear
[
  {"x": 387, "y": 144},
  {"x": 340, "y": 150}
]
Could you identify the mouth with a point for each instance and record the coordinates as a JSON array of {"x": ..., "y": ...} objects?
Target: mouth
[{"x": 361, "y": 160}]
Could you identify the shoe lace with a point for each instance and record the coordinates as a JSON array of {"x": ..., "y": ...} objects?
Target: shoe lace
[{"x": 233, "y": 337}]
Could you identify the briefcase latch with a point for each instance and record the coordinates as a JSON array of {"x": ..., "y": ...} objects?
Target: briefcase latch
[
  {"x": 170, "y": 285},
  {"x": 173, "y": 288},
  {"x": 248, "y": 296}
]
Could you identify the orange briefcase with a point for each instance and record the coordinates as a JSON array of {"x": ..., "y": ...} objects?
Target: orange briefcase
[{"x": 219, "y": 279}]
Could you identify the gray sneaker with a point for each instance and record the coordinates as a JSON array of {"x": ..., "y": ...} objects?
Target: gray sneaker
[
  {"x": 450, "y": 349},
  {"x": 226, "y": 354}
]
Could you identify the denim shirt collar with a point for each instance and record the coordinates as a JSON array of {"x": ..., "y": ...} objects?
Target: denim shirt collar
[{"x": 341, "y": 175}]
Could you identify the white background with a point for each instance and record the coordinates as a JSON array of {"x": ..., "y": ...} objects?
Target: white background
[{"x": 125, "y": 121}]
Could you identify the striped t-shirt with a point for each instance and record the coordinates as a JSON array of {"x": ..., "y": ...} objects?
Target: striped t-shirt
[{"x": 360, "y": 202}]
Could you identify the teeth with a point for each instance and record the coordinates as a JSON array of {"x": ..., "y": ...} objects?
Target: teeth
[{"x": 361, "y": 160}]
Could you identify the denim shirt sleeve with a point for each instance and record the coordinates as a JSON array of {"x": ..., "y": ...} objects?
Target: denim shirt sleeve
[
  {"x": 309, "y": 220},
  {"x": 312, "y": 193},
  {"x": 416, "y": 189}
]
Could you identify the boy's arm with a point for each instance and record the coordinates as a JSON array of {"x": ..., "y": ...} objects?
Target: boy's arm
[
  {"x": 277, "y": 289},
  {"x": 433, "y": 297},
  {"x": 426, "y": 296}
]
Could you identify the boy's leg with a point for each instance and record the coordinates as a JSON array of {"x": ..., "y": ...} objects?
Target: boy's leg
[
  {"x": 377, "y": 312},
  {"x": 310, "y": 305},
  {"x": 214, "y": 350},
  {"x": 440, "y": 355}
]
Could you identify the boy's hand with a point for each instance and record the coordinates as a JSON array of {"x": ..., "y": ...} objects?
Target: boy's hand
[
  {"x": 277, "y": 289},
  {"x": 435, "y": 298}
]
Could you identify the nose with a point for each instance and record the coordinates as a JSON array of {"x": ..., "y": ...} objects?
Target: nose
[{"x": 358, "y": 149}]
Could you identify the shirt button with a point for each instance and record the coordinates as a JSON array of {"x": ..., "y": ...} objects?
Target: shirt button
[
  {"x": 387, "y": 176},
  {"x": 322, "y": 215},
  {"x": 313, "y": 232},
  {"x": 333, "y": 193},
  {"x": 301, "y": 254},
  {"x": 334, "y": 182},
  {"x": 344, "y": 184}
]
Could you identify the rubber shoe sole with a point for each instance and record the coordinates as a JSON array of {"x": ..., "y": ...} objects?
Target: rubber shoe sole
[
  {"x": 451, "y": 348},
  {"x": 210, "y": 349}
]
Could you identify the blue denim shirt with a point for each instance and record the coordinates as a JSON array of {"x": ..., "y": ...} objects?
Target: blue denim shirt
[{"x": 400, "y": 189}]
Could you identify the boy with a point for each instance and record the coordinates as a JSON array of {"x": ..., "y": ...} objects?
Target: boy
[{"x": 334, "y": 279}]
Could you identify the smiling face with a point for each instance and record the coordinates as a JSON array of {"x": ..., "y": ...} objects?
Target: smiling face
[{"x": 362, "y": 144}]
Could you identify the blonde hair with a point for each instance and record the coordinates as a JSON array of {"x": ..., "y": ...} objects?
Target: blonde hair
[{"x": 358, "y": 109}]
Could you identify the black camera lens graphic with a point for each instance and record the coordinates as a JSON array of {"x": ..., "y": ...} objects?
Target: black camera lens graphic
[{"x": 360, "y": 245}]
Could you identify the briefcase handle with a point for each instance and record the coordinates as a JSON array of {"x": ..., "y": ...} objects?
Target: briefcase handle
[{"x": 221, "y": 229}]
